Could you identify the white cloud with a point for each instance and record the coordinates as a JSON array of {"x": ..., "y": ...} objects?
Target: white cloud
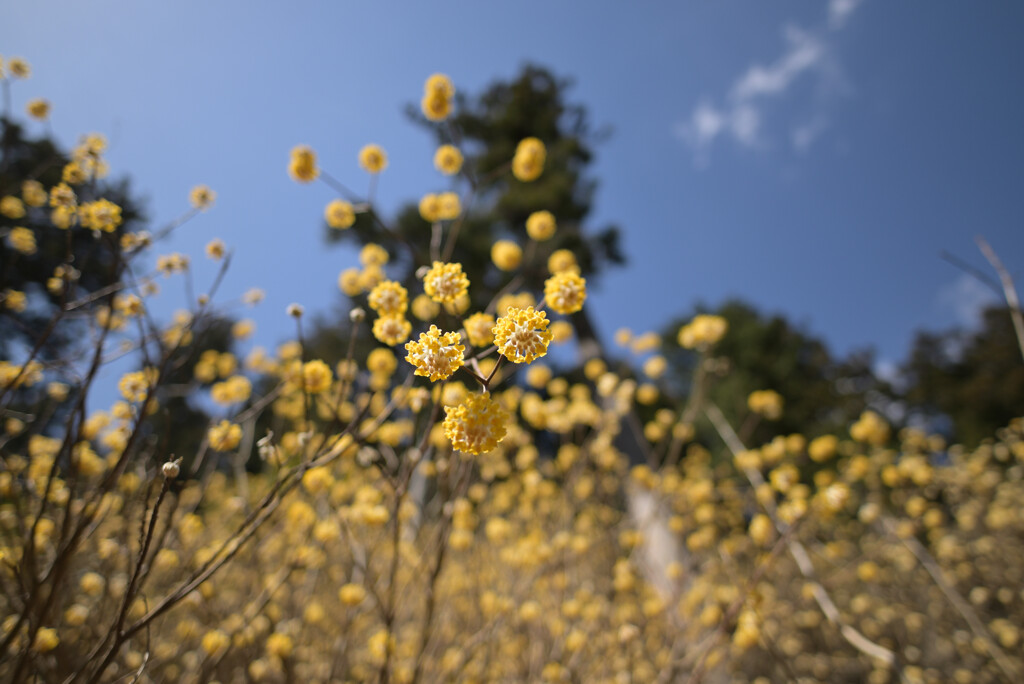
[
  {"x": 742, "y": 115},
  {"x": 966, "y": 298},
  {"x": 839, "y": 11}
]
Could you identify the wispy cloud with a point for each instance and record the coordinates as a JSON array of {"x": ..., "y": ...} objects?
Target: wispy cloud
[{"x": 741, "y": 115}]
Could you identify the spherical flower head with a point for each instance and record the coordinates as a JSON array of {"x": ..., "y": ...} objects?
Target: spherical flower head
[
  {"x": 435, "y": 106},
  {"x": 445, "y": 283},
  {"x": 46, "y": 640},
  {"x": 224, "y": 436},
  {"x": 430, "y": 208},
  {"x": 202, "y": 197},
  {"x": 475, "y": 426},
  {"x": 562, "y": 260},
  {"x": 449, "y": 205},
  {"x": 373, "y": 254},
  {"x": 439, "y": 84},
  {"x": 316, "y": 376},
  {"x": 392, "y": 329},
  {"x": 373, "y": 159},
  {"x": 448, "y": 160},
  {"x": 33, "y": 193},
  {"x": 339, "y": 214},
  {"x": 38, "y": 108},
  {"x": 302, "y": 167},
  {"x": 19, "y": 67},
  {"x": 540, "y": 225},
  {"x": 22, "y": 240},
  {"x": 12, "y": 207},
  {"x": 215, "y": 249},
  {"x": 522, "y": 335},
  {"x": 702, "y": 332},
  {"x": 388, "y": 298},
  {"x": 565, "y": 292},
  {"x": 528, "y": 162},
  {"x": 506, "y": 255},
  {"x": 436, "y": 355},
  {"x": 62, "y": 196},
  {"x": 425, "y": 308},
  {"x": 480, "y": 330},
  {"x": 767, "y": 403},
  {"x": 348, "y": 282},
  {"x": 101, "y": 215}
]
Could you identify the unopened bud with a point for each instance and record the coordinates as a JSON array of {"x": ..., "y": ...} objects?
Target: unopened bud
[
  {"x": 357, "y": 315},
  {"x": 295, "y": 310},
  {"x": 172, "y": 469}
]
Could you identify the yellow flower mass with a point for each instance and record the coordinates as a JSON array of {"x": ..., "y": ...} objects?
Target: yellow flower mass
[
  {"x": 436, "y": 355},
  {"x": 528, "y": 162},
  {"x": 475, "y": 426},
  {"x": 391, "y": 329},
  {"x": 444, "y": 283},
  {"x": 565, "y": 292},
  {"x": 339, "y": 214},
  {"x": 522, "y": 335},
  {"x": 448, "y": 160},
  {"x": 224, "y": 436},
  {"x": 540, "y": 225},
  {"x": 480, "y": 329},
  {"x": 373, "y": 159},
  {"x": 302, "y": 167},
  {"x": 388, "y": 298}
]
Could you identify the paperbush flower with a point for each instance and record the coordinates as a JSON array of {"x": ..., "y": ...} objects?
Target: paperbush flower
[
  {"x": 444, "y": 283},
  {"x": 475, "y": 426},
  {"x": 436, "y": 355},
  {"x": 528, "y": 162},
  {"x": 702, "y": 332},
  {"x": 224, "y": 436},
  {"x": 339, "y": 214},
  {"x": 388, "y": 298},
  {"x": 448, "y": 160},
  {"x": 522, "y": 335},
  {"x": 302, "y": 167},
  {"x": 565, "y": 292},
  {"x": 540, "y": 225},
  {"x": 373, "y": 159},
  {"x": 391, "y": 329},
  {"x": 480, "y": 329}
]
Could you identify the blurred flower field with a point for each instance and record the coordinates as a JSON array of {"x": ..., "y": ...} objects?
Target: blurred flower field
[{"x": 443, "y": 502}]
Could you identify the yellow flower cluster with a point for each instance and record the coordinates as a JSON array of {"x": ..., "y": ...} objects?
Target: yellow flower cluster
[
  {"x": 565, "y": 292},
  {"x": 373, "y": 159},
  {"x": 436, "y": 355},
  {"x": 475, "y": 426},
  {"x": 102, "y": 215},
  {"x": 448, "y": 160},
  {"x": 438, "y": 92},
  {"x": 224, "y": 436},
  {"x": 522, "y": 335},
  {"x": 702, "y": 332},
  {"x": 339, "y": 214},
  {"x": 766, "y": 403},
  {"x": 445, "y": 283},
  {"x": 445, "y": 206},
  {"x": 528, "y": 162},
  {"x": 302, "y": 167}
]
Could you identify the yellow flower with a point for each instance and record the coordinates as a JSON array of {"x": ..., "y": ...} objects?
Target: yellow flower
[
  {"x": 316, "y": 376},
  {"x": 22, "y": 240},
  {"x": 202, "y": 197},
  {"x": 339, "y": 214},
  {"x": 215, "y": 249},
  {"x": 280, "y": 645},
  {"x": 480, "y": 330},
  {"x": 391, "y": 329},
  {"x": 224, "y": 436},
  {"x": 823, "y": 448},
  {"x": 33, "y": 193},
  {"x": 702, "y": 332},
  {"x": 436, "y": 355},
  {"x": 135, "y": 386},
  {"x": 373, "y": 159},
  {"x": 528, "y": 162},
  {"x": 522, "y": 335},
  {"x": 430, "y": 208},
  {"x": 302, "y": 167},
  {"x": 767, "y": 403},
  {"x": 506, "y": 255},
  {"x": 439, "y": 83},
  {"x": 348, "y": 282},
  {"x": 435, "y": 106},
  {"x": 215, "y": 642},
  {"x": 62, "y": 195},
  {"x": 448, "y": 160},
  {"x": 449, "y": 206},
  {"x": 425, "y": 308},
  {"x": 12, "y": 207},
  {"x": 388, "y": 298},
  {"x": 565, "y": 292},
  {"x": 541, "y": 225},
  {"x": 475, "y": 426},
  {"x": 562, "y": 260},
  {"x": 101, "y": 215},
  {"x": 351, "y": 594},
  {"x": 444, "y": 283},
  {"x": 373, "y": 255},
  {"x": 38, "y": 108},
  {"x": 19, "y": 67},
  {"x": 46, "y": 640},
  {"x": 74, "y": 173}
]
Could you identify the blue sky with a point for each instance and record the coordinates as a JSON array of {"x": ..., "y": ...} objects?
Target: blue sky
[{"x": 812, "y": 158}]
